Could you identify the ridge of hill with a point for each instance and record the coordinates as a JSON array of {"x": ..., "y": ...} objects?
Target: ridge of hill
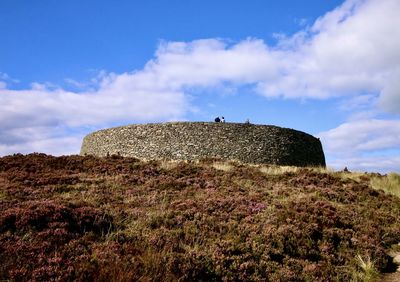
[{"x": 121, "y": 219}]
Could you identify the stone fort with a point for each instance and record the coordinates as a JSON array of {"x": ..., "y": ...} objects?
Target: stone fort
[{"x": 248, "y": 143}]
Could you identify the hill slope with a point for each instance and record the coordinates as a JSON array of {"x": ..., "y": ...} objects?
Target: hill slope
[{"x": 119, "y": 219}]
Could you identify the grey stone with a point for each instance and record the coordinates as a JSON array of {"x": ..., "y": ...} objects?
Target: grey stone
[{"x": 249, "y": 143}]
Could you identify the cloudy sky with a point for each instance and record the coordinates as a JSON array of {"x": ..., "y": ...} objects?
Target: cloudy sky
[{"x": 330, "y": 68}]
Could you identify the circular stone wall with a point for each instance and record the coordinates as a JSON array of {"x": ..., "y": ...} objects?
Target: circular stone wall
[{"x": 196, "y": 140}]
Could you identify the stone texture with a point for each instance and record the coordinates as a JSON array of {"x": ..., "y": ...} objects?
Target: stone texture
[
  {"x": 396, "y": 259},
  {"x": 196, "y": 140}
]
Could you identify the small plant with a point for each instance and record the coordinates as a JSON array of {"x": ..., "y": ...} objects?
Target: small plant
[{"x": 368, "y": 272}]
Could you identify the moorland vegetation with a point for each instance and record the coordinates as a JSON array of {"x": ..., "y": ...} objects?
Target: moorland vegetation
[{"x": 120, "y": 219}]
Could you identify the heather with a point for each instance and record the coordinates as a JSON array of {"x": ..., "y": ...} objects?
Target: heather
[{"x": 80, "y": 218}]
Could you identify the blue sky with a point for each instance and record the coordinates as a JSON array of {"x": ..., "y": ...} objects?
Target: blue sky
[{"x": 329, "y": 68}]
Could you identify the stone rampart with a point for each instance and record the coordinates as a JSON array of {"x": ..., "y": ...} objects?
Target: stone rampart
[{"x": 260, "y": 144}]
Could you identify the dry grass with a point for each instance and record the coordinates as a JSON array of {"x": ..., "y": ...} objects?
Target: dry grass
[
  {"x": 277, "y": 170},
  {"x": 368, "y": 271},
  {"x": 169, "y": 164},
  {"x": 224, "y": 166},
  {"x": 320, "y": 169},
  {"x": 390, "y": 183},
  {"x": 356, "y": 176}
]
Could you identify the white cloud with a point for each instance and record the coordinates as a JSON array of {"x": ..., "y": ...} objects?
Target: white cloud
[
  {"x": 51, "y": 140},
  {"x": 302, "y": 22},
  {"x": 359, "y": 136},
  {"x": 357, "y": 103},
  {"x": 24, "y": 114},
  {"x": 55, "y": 146},
  {"x": 115, "y": 102},
  {"x": 358, "y": 143},
  {"x": 207, "y": 63},
  {"x": 351, "y": 50},
  {"x": 77, "y": 84},
  {"x": 381, "y": 164},
  {"x": 4, "y": 76},
  {"x": 390, "y": 98}
]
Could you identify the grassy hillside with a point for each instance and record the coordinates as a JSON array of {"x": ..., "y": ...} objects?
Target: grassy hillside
[{"x": 119, "y": 219}]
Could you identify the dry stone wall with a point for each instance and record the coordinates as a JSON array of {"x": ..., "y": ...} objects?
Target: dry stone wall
[{"x": 196, "y": 140}]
